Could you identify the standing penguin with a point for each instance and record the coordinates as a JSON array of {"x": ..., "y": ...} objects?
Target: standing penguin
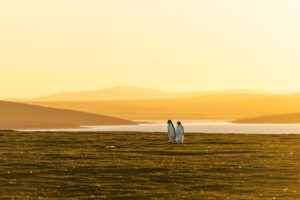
[
  {"x": 179, "y": 133},
  {"x": 171, "y": 131}
]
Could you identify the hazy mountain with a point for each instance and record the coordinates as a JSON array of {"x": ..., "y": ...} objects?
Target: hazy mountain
[
  {"x": 281, "y": 118},
  {"x": 24, "y": 116},
  {"x": 131, "y": 93}
]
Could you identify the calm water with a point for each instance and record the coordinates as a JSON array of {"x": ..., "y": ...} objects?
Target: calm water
[{"x": 202, "y": 126}]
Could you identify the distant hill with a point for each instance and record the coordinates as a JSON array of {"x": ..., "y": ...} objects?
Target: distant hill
[
  {"x": 25, "y": 116},
  {"x": 282, "y": 118},
  {"x": 131, "y": 93},
  {"x": 221, "y": 106}
]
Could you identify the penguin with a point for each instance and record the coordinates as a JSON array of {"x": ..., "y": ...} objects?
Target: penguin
[
  {"x": 179, "y": 133},
  {"x": 171, "y": 131}
]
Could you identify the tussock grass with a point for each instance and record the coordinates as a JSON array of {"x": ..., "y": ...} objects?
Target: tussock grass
[{"x": 144, "y": 166}]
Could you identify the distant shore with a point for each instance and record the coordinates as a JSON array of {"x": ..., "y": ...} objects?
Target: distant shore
[{"x": 290, "y": 118}]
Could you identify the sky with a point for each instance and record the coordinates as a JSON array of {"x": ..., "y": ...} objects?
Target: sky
[{"x": 55, "y": 46}]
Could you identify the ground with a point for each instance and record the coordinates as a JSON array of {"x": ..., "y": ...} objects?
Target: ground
[{"x": 75, "y": 165}]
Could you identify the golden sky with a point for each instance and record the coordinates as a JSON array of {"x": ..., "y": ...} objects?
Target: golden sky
[{"x": 49, "y": 46}]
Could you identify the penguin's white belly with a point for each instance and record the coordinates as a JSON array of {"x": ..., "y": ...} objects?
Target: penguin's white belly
[
  {"x": 179, "y": 135},
  {"x": 171, "y": 132}
]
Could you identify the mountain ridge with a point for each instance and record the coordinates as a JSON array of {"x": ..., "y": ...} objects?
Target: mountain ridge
[{"x": 123, "y": 92}]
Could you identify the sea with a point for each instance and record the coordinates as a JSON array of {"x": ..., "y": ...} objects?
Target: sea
[{"x": 197, "y": 126}]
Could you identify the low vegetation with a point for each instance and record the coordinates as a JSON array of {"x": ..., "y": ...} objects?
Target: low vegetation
[{"x": 123, "y": 165}]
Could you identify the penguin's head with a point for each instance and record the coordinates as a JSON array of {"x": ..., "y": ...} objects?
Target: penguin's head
[
  {"x": 169, "y": 121},
  {"x": 178, "y": 123}
]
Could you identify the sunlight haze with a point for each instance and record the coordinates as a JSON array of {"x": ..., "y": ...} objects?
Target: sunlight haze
[{"x": 172, "y": 45}]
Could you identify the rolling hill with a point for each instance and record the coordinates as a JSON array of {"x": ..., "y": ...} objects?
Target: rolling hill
[
  {"x": 25, "y": 116},
  {"x": 158, "y": 105}
]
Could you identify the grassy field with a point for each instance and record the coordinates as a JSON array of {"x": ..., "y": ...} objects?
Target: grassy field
[{"x": 144, "y": 166}]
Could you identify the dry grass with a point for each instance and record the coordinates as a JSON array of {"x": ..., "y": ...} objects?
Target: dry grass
[{"x": 145, "y": 166}]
